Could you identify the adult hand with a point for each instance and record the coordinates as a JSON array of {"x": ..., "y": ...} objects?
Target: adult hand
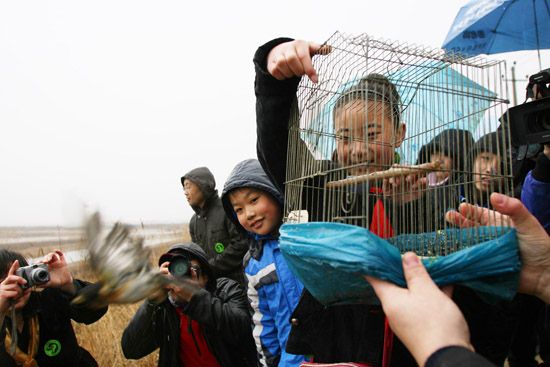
[
  {"x": 534, "y": 242},
  {"x": 423, "y": 317},
  {"x": 293, "y": 59},
  {"x": 11, "y": 292},
  {"x": 60, "y": 275}
]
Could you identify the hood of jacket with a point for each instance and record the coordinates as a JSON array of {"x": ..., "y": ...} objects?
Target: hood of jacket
[
  {"x": 195, "y": 251},
  {"x": 453, "y": 143},
  {"x": 248, "y": 173},
  {"x": 204, "y": 179}
]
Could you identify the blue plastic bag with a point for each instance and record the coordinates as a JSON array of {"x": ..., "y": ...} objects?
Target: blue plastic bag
[{"x": 331, "y": 258}]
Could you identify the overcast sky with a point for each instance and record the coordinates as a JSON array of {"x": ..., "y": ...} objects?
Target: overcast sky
[{"x": 105, "y": 104}]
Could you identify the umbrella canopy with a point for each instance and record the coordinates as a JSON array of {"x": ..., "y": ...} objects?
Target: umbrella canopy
[
  {"x": 434, "y": 97},
  {"x": 495, "y": 26}
]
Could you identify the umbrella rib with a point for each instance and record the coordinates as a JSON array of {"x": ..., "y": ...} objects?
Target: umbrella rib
[{"x": 498, "y": 23}]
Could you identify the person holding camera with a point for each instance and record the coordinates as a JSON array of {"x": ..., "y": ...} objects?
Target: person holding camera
[
  {"x": 204, "y": 321},
  {"x": 43, "y": 331}
]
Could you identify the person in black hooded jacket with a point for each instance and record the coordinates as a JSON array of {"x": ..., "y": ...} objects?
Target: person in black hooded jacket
[
  {"x": 204, "y": 321},
  {"x": 444, "y": 187},
  {"x": 46, "y": 337},
  {"x": 340, "y": 333},
  {"x": 224, "y": 246}
]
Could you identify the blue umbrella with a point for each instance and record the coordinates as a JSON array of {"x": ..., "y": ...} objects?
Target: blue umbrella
[
  {"x": 495, "y": 26},
  {"x": 433, "y": 94}
]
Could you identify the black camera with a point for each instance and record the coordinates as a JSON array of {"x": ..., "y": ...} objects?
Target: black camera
[
  {"x": 530, "y": 122},
  {"x": 36, "y": 274},
  {"x": 180, "y": 266}
]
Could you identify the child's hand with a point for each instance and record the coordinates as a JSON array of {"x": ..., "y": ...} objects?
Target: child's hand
[
  {"x": 60, "y": 275},
  {"x": 404, "y": 189},
  {"x": 292, "y": 59}
]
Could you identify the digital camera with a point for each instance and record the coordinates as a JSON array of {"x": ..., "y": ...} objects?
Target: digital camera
[
  {"x": 36, "y": 274},
  {"x": 180, "y": 266}
]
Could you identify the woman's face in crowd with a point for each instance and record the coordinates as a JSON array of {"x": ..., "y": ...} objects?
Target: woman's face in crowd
[
  {"x": 366, "y": 136},
  {"x": 446, "y": 165},
  {"x": 486, "y": 167}
]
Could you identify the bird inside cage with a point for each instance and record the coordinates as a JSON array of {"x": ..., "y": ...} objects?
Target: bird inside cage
[{"x": 381, "y": 150}]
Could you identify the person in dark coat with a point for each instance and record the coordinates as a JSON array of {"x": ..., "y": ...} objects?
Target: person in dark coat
[
  {"x": 224, "y": 246},
  {"x": 204, "y": 321},
  {"x": 340, "y": 333},
  {"x": 443, "y": 187},
  {"x": 487, "y": 169},
  {"x": 45, "y": 335}
]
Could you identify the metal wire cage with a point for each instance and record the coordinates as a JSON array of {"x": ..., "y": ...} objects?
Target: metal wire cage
[{"x": 393, "y": 136}]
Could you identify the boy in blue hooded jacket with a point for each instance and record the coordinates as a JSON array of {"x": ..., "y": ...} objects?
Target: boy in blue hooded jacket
[{"x": 255, "y": 205}]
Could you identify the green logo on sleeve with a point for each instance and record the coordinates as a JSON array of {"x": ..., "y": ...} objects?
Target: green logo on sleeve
[
  {"x": 52, "y": 348},
  {"x": 219, "y": 247}
]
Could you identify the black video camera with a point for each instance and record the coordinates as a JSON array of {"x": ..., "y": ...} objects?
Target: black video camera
[
  {"x": 180, "y": 266},
  {"x": 530, "y": 122},
  {"x": 36, "y": 274}
]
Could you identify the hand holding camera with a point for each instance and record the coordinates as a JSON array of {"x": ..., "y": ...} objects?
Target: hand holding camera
[
  {"x": 60, "y": 275},
  {"x": 12, "y": 291},
  {"x": 186, "y": 276}
]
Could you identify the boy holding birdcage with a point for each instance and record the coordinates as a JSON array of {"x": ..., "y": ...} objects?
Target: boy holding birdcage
[
  {"x": 367, "y": 125},
  {"x": 368, "y": 129}
]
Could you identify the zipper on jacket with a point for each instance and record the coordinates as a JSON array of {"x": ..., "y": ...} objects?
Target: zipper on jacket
[{"x": 190, "y": 330}]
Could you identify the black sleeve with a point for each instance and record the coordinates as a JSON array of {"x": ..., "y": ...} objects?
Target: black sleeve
[
  {"x": 274, "y": 101},
  {"x": 231, "y": 259},
  {"x": 192, "y": 229},
  {"x": 140, "y": 336},
  {"x": 454, "y": 356},
  {"x": 229, "y": 316},
  {"x": 82, "y": 313}
]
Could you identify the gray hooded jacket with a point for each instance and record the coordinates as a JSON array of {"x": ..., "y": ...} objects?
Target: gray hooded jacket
[{"x": 209, "y": 227}]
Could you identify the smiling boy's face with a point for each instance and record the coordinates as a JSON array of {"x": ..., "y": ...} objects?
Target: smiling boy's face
[
  {"x": 366, "y": 136},
  {"x": 257, "y": 211}
]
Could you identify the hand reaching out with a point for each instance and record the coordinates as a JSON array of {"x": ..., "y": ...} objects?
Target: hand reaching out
[{"x": 534, "y": 242}]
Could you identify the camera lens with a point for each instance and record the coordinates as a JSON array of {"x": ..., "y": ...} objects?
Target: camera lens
[
  {"x": 40, "y": 276},
  {"x": 179, "y": 266}
]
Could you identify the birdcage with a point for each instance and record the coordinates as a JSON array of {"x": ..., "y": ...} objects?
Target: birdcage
[{"x": 390, "y": 139}]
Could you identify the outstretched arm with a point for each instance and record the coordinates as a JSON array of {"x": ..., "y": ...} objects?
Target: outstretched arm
[
  {"x": 534, "y": 242},
  {"x": 279, "y": 65}
]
